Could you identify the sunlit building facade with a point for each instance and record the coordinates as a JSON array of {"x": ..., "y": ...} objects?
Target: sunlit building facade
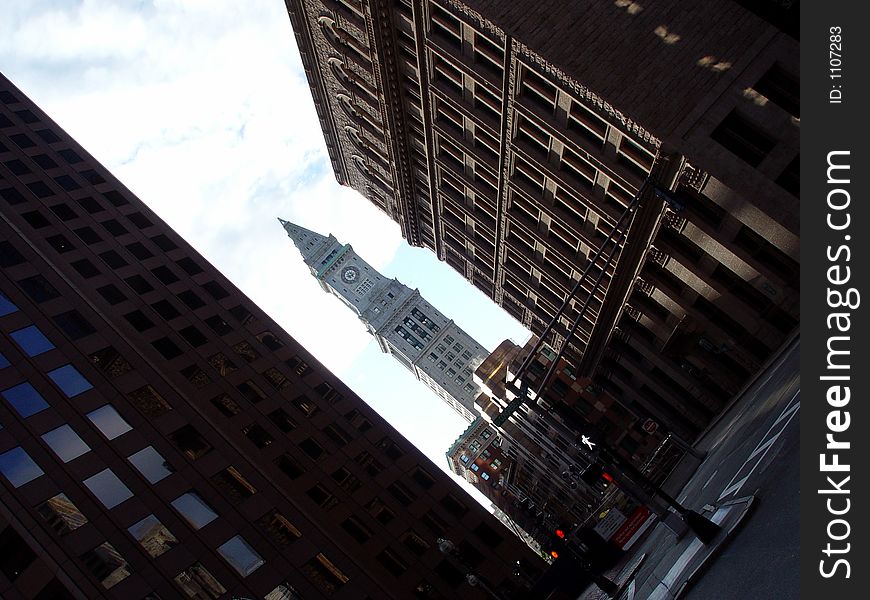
[
  {"x": 162, "y": 437},
  {"x": 438, "y": 352},
  {"x": 509, "y": 137}
]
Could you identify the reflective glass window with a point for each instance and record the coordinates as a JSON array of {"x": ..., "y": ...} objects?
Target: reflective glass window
[
  {"x": 6, "y": 306},
  {"x": 4, "y": 362},
  {"x": 65, "y": 443},
  {"x": 69, "y": 380},
  {"x": 109, "y": 422},
  {"x": 106, "y": 564},
  {"x": 194, "y": 509},
  {"x": 61, "y": 514},
  {"x": 153, "y": 536},
  {"x": 108, "y": 489},
  {"x": 198, "y": 583},
  {"x": 240, "y": 555},
  {"x": 32, "y": 340},
  {"x": 25, "y": 399},
  {"x": 17, "y": 466},
  {"x": 151, "y": 464}
]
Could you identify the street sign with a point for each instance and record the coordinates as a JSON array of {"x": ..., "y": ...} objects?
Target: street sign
[
  {"x": 638, "y": 522},
  {"x": 650, "y": 426},
  {"x": 608, "y": 525}
]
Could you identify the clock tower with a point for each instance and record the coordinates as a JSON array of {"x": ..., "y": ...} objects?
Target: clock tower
[{"x": 405, "y": 325}]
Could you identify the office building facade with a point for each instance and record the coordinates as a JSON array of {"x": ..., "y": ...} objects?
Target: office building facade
[
  {"x": 509, "y": 138},
  {"x": 162, "y": 437}
]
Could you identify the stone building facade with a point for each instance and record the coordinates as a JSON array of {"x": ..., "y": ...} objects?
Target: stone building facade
[
  {"x": 423, "y": 340},
  {"x": 509, "y": 137}
]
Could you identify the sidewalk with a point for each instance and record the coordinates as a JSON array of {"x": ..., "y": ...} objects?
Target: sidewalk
[{"x": 664, "y": 564}]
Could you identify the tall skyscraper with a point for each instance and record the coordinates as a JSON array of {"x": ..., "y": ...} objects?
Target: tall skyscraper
[
  {"x": 509, "y": 137},
  {"x": 162, "y": 437},
  {"x": 432, "y": 347}
]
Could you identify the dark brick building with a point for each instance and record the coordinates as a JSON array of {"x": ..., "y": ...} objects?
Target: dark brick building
[
  {"x": 508, "y": 137},
  {"x": 162, "y": 437}
]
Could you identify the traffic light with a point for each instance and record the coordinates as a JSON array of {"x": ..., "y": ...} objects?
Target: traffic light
[{"x": 560, "y": 533}]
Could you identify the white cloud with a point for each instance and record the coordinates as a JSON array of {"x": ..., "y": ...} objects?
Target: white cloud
[{"x": 202, "y": 110}]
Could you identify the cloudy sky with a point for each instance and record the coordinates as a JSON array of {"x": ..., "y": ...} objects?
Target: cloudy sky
[{"x": 202, "y": 109}]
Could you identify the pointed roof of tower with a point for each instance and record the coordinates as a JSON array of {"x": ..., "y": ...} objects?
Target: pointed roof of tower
[{"x": 308, "y": 242}]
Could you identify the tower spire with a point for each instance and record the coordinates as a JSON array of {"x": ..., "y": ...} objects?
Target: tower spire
[
  {"x": 437, "y": 351},
  {"x": 309, "y": 243}
]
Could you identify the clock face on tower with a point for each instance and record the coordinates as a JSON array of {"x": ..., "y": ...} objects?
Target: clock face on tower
[{"x": 350, "y": 275}]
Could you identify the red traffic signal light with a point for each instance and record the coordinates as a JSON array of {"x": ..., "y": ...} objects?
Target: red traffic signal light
[
  {"x": 607, "y": 476},
  {"x": 560, "y": 534}
]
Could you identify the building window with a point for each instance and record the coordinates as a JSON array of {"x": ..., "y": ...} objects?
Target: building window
[
  {"x": 190, "y": 299},
  {"x": 31, "y": 340},
  {"x": 193, "y": 336},
  {"x": 454, "y": 506},
  {"x": 275, "y": 377},
  {"x": 258, "y": 436},
  {"x": 197, "y": 583},
  {"x": 115, "y": 228},
  {"x": 251, "y": 391},
  {"x": 233, "y": 484},
  {"x": 311, "y": 448},
  {"x": 110, "y": 362},
  {"x": 279, "y": 529},
  {"x": 322, "y": 497},
  {"x": 65, "y": 442},
  {"x": 743, "y": 138},
  {"x": 61, "y": 514},
  {"x": 194, "y": 509},
  {"x": 226, "y": 405},
  {"x": 282, "y": 420},
  {"x": 189, "y": 266},
  {"x": 190, "y": 442},
  {"x": 113, "y": 259},
  {"x": 165, "y": 275},
  {"x": 18, "y": 468},
  {"x": 139, "y": 220},
  {"x": 167, "y": 348},
  {"x": 38, "y": 288},
  {"x": 356, "y": 530},
  {"x": 109, "y": 422},
  {"x": 392, "y": 562},
  {"x": 111, "y": 294},
  {"x": 240, "y": 555},
  {"x": 73, "y": 324},
  {"x": 223, "y": 365},
  {"x": 289, "y": 466},
  {"x": 149, "y": 402},
  {"x": 154, "y": 537},
  {"x": 781, "y": 88},
  {"x": 151, "y": 464},
  {"x": 69, "y": 380},
  {"x": 246, "y": 351},
  {"x": 166, "y": 310},
  {"x": 25, "y": 399},
  {"x": 324, "y": 574},
  {"x": 401, "y": 493},
  {"x": 139, "y": 284},
  {"x": 139, "y": 321},
  {"x": 106, "y": 564},
  {"x": 108, "y": 488},
  {"x": 218, "y": 325}
]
